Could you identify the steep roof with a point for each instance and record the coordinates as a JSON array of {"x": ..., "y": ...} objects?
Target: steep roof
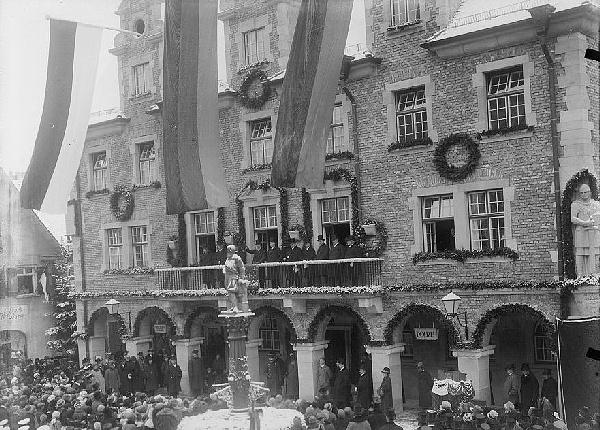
[{"x": 476, "y": 15}]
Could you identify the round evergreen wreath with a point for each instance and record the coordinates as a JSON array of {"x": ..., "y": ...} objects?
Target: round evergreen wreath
[
  {"x": 254, "y": 102},
  {"x": 122, "y": 212},
  {"x": 450, "y": 171}
]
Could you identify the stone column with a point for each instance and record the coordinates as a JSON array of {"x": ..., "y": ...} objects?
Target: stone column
[
  {"x": 388, "y": 356},
  {"x": 97, "y": 346},
  {"x": 183, "y": 349},
  {"x": 308, "y": 355},
  {"x": 82, "y": 349},
  {"x": 138, "y": 344},
  {"x": 253, "y": 358},
  {"x": 476, "y": 364}
]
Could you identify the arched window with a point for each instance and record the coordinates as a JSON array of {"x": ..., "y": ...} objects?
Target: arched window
[
  {"x": 541, "y": 341},
  {"x": 269, "y": 333},
  {"x": 139, "y": 26}
]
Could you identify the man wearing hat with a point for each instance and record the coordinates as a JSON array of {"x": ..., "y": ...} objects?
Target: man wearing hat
[
  {"x": 511, "y": 385},
  {"x": 273, "y": 256},
  {"x": 353, "y": 251},
  {"x": 173, "y": 377},
  {"x": 259, "y": 255},
  {"x": 196, "y": 372},
  {"x": 322, "y": 254},
  {"x": 364, "y": 388},
  {"x": 294, "y": 253},
  {"x": 385, "y": 390},
  {"x": 337, "y": 251},
  {"x": 549, "y": 387},
  {"x": 530, "y": 389},
  {"x": 341, "y": 386},
  {"x": 425, "y": 385}
]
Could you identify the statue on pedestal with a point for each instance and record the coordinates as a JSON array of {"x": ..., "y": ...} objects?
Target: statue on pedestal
[
  {"x": 236, "y": 285},
  {"x": 585, "y": 216}
]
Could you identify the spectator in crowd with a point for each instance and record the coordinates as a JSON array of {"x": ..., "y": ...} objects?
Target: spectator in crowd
[
  {"x": 376, "y": 416},
  {"x": 273, "y": 256},
  {"x": 274, "y": 374},
  {"x": 385, "y": 390},
  {"x": 364, "y": 388},
  {"x": 324, "y": 375},
  {"x": 111, "y": 377},
  {"x": 308, "y": 251},
  {"x": 549, "y": 387},
  {"x": 293, "y": 254},
  {"x": 511, "y": 385},
  {"x": 529, "y": 389},
  {"x": 218, "y": 368},
  {"x": 391, "y": 425},
  {"x": 292, "y": 384},
  {"x": 150, "y": 377},
  {"x": 173, "y": 377},
  {"x": 97, "y": 378},
  {"x": 341, "y": 386},
  {"x": 196, "y": 373},
  {"x": 359, "y": 422},
  {"x": 425, "y": 385},
  {"x": 337, "y": 251}
]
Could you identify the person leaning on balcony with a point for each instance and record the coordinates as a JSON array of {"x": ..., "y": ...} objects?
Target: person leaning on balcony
[
  {"x": 322, "y": 254},
  {"x": 336, "y": 271},
  {"x": 259, "y": 255},
  {"x": 353, "y": 251},
  {"x": 219, "y": 258},
  {"x": 293, "y": 254},
  {"x": 273, "y": 256},
  {"x": 235, "y": 283},
  {"x": 308, "y": 253},
  {"x": 586, "y": 239}
]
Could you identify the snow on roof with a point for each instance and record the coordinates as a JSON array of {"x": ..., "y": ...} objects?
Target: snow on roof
[
  {"x": 476, "y": 15},
  {"x": 104, "y": 115}
]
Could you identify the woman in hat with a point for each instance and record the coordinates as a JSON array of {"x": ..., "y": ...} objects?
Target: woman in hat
[
  {"x": 385, "y": 390},
  {"x": 530, "y": 389}
]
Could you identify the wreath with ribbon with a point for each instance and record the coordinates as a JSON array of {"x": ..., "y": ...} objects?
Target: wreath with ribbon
[
  {"x": 257, "y": 100},
  {"x": 122, "y": 211},
  {"x": 450, "y": 171}
]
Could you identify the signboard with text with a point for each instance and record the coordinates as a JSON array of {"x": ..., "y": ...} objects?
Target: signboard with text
[
  {"x": 13, "y": 313},
  {"x": 426, "y": 333},
  {"x": 160, "y": 328}
]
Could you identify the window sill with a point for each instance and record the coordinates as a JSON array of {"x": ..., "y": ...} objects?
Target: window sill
[
  {"x": 449, "y": 262},
  {"x": 144, "y": 96},
  {"x": 405, "y": 29},
  {"x": 27, "y": 295},
  {"x": 438, "y": 262},
  {"x": 498, "y": 259},
  {"x": 153, "y": 184},
  {"x": 257, "y": 168},
  {"x": 93, "y": 193},
  {"x": 128, "y": 272},
  {"x": 416, "y": 145},
  {"x": 339, "y": 156},
  {"x": 507, "y": 135}
]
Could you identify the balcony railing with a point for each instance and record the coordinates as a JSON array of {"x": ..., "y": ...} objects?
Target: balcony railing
[{"x": 340, "y": 273}]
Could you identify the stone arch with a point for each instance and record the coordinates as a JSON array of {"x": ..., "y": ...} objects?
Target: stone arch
[
  {"x": 260, "y": 312},
  {"x": 422, "y": 310},
  {"x": 581, "y": 177},
  {"x": 316, "y": 329},
  {"x": 483, "y": 330},
  {"x": 212, "y": 315},
  {"x": 100, "y": 313},
  {"x": 156, "y": 313}
]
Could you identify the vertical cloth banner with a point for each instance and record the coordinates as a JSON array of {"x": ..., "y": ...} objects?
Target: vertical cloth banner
[
  {"x": 308, "y": 94},
  {"x": 194, "y": 175},
  {"x": 579, "y": 375},
  {"x": 71, "y": 75}
]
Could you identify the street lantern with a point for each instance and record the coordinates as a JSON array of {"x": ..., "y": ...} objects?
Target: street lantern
[
  {"x": 113, "y": 306},
  {"x": 451, "y": 302}
]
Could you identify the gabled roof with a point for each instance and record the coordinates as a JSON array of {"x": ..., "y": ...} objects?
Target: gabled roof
[{"x": 477, "y": 15}]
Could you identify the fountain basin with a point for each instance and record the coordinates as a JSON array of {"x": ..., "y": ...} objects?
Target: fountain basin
[{"x": 225, "y": 419}]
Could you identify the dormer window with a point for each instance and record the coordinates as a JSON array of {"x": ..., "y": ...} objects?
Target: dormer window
[
  {"x": 139, "y": 26},
  {"x": 254, "y": 45},
  {"x": 404, "y": 12}
]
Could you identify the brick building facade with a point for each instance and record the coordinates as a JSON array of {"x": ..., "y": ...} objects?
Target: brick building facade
[{"x": 430, "y": 72}]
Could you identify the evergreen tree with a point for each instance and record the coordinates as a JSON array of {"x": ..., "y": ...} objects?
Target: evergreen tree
[{"x": 61, "y": 335}]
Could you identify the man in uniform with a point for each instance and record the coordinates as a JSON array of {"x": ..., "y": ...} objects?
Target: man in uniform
[{"x": 196, "y": 372}]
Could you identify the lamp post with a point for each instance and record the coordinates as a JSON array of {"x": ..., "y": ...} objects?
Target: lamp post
[
  {"x": 452, "y": 303},
  {"x": 113, "y": 306}
]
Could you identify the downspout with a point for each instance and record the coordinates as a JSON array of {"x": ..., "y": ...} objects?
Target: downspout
[
  {"x": 356, "y": 148},
  {"x": 79, "y": 230},
  {"x": 541, "y": 16}
]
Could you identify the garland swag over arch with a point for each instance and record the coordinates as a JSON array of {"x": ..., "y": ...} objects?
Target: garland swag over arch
[
  {"x": 212, "y": 315},
  {"x": 155, "y": 314},
  {"x": 328, "y": 311},
  {"x": 100, "y": 312}
]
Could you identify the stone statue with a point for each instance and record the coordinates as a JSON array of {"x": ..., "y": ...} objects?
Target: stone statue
[
  {"x": 236, "y": 285},
  {"x": 585, "y": 216}
]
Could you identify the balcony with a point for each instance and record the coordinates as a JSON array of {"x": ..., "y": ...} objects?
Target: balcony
[{"x": 315, "y": 273}]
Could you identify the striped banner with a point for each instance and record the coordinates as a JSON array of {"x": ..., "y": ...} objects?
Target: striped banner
[
  {"x": 308, "y": 95},
  {"x": 194, "y": 174},
  {"x": 72, "y": 66}
]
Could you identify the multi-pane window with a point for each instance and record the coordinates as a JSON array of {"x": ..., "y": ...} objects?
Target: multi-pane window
[
  {"x": 26, "y": 280},
  {"x": 141, "y": 79},
  {"x": 205, "y": 228},
  {"x": 408, "y": 339},
  {"x": 506, "y": 99},
  {"x": 335, "y": 210},
  {"x": 438, "y": 223},
  {"x": 139, "y": 241},
  {"x": 486, "y": 219},
  {"x": 335, "y": 140},
  {"x": 100, "y": 167},
  {"x": 146, "y": 163},
  {"x": 254, "y": 45},
  {"x": 542, "y": 342},
  {"x": 411, "y": 114},
  {"x": 115, "y": 248},
  {"x": 265, "y": 217},
  {"x": 269, "y": 333},
  {"x": 261, "y": 142},
  {"x": 404, "y": 11}
]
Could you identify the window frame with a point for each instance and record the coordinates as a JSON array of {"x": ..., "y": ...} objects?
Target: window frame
[
  {"x": 487, "y": 215},
  {"x": 143, "y": 259},
  {"x": 26, "y": 272},
  {"x": 335, "y": 126},
  {"x": 262, "y": 139},
  {"x": 432, "y": 220},
  {"x": 506, "y": 95},
  {"x": 138, "y": 84},
  {"x": 347, "y": 209},
  {"x": 103, "y": 169},
  {"x": 118, "y": 246},
  {"x": 417, "y": 109},
  {"x": 255, "y": 56},
  {"x": 149, "y": 161},
  {"x": 270, "y": 327},
  {"x": 197, "y": 236},
  {"x": 541, "y": 335},
  {"x": 404, "y": 4}
]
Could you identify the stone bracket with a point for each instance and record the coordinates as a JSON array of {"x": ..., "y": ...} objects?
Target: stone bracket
[
  {"x": 298, "y": 306},
  {"x": 373, "y": 305}
]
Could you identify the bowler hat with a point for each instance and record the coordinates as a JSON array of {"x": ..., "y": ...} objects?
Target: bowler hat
[
  {"x": 386, "y": 370},
  {"x": 320, "y": 237},
  {"x": 195, "y": 351},
  {"x": 547, "y": 372},
  {"x": 510, "y": 366},
  {"x": 525, "y": 366}
]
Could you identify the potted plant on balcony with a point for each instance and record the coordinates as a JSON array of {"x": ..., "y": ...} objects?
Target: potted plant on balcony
[{"x": 294, "y": 234}]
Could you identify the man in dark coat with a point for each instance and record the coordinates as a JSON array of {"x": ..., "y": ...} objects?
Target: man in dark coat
[
  {"x": 294, "y": 253},
  {"x": 274, "y": 375},
  {"x": 196, "y": 372},
  {"x": 549, "y": 387},
  {"x": 259, "y": 255},
  {"x": 337, "y": 251},
  {"x": 425, "y": 385},
  {"x": 364, "y": 388},
  {"x": 129, "y": 375},
  {"x": 150, "y": 377},
  {"x": 322, "y": 254},
  {"x": 173, "y": 377},
  {"x": 341, "y": 387},
  {"x": 336, "y": 272},
  {"x": 385, "y": 390},
  {"x": 273, "y": 256},
  {"x": 353, "y": 251},
  {"x": 219, "y": 258},
  {"x": 530, "y": 389},
  {"x": 308, "y": 252}
]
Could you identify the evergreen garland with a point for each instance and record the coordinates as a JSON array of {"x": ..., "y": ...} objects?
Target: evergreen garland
[
  {"x": 450, "y": 171},
  {"x": 257, "y": 101},
  {"x": 240, "y": 218},
  {"x": 511, "y": 310},
  {"x": 122, "y": 213},
  {"x": 422, "y": 311},
  {"x": 409, "y": 143},
  {"x": 220, "y": 225},
  {"x": 182, "y": 255},
  {"x": 581, "y": 177},
  {"x": 461, "y": 255},
  {"x": 285, "y": 217},
  {"x": 156, "y": 315},
  {"x": 307, "y": 215},
  {"x": 89, "y": 331},
  {"x": 380, "y": 241},
  {"x": 328, "y": 311},
  {"x": 212, "y": 316}
]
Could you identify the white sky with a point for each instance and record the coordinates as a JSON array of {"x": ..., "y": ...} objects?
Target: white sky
[{"x": 24, "y": 38}]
